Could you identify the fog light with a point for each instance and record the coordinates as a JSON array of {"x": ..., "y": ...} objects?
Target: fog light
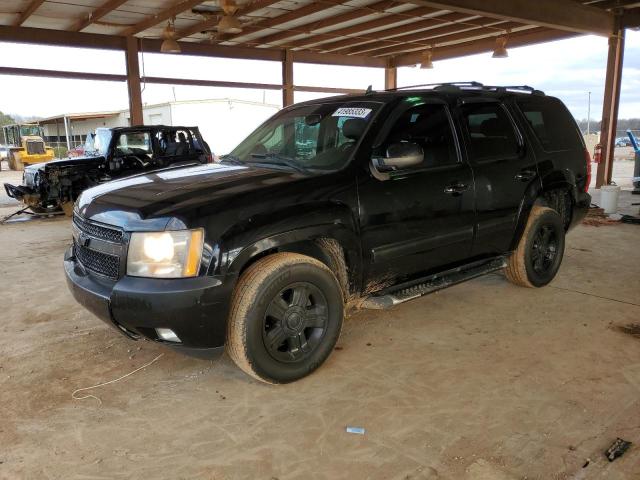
[{"x": 167, "y": 334}]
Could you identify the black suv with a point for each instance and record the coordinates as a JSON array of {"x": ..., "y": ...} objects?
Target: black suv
[{"x": 378, "y": 198}]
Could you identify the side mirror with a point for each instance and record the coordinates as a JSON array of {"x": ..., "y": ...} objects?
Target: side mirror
[{"x": 399, "y": 156}]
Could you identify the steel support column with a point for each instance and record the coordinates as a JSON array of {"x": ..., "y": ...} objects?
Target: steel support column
[
  {"x": 133, "y": 82},
  {"x": 390, "y": 78},
  {"x": 611, "y": 104},
  {"x": 67, "y": 131},
  {"x": 287, "y": 79}
]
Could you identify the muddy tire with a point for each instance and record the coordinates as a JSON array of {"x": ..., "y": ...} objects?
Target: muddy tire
[
  {"x": 11, "y": 161},
  {"x": 539, "y": 254},
  {"x": 285, "y": 319}
]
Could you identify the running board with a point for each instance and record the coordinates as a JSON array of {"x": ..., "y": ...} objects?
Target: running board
[{"x": 408, "y": 291}]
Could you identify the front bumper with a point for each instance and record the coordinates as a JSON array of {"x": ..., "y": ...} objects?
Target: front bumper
[{"x": 195, "y": 309}]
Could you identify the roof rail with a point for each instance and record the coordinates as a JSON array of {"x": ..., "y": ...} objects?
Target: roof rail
[
  {"x": 439, "y": 84},
  {"x": 517, "y": 88},
  {"x": 472, "y": 86}
]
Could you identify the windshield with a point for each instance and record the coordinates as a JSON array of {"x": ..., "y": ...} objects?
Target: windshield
[
  {"x": 101, "y": 140},
  {"x": 30, "y": 130},
  {"x": 309, "y": 137}
]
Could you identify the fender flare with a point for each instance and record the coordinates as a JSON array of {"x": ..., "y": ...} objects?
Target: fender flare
[
  {"x": 557, "y": 180},
  {"x": 234, "y": 261}
]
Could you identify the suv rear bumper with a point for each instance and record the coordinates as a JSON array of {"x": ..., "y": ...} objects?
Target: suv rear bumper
[
  {"x": 195, "y": 309},
  {"x": 580, "y": 208}
]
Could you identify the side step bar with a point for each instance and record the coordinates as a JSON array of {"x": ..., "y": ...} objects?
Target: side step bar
[{"x": 408, "y": 291}]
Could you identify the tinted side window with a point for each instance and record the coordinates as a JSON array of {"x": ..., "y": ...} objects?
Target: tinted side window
[
  {"x": 551, "y": 123},
  {"x": 427, "y": 125},
  {"x": 491, "y": 132},
  {"x": 175, "y": 143}
]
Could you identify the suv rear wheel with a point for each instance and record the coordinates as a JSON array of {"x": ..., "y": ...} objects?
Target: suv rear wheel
[
  {"x": 285, "y": 319},
  {"x": 537, "y": 259}
]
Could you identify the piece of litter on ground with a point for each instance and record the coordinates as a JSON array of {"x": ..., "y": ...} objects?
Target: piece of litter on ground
[
  {"x": 617, "y": 449},
  {"x": 356, "y": 430}
]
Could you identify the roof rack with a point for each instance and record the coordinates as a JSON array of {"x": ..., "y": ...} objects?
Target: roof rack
[
  {"x": 439, "y": 84},
  {"x": 472, "y": 86}
]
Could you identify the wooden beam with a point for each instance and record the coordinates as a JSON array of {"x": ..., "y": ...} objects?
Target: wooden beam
[
  {"x": 36, "y": 72},
  {"x": 33, "y": 6},
  {"x": 390, "y": 77},
  {"x": 109, "y": 77},
  {"x": 133, "y": 82},
  {"x": 223, "y": 51},
  {"x": 425, "y": 41},
  {"x": 565, "y": 15},
  {"x": 517, "y": 39},
  {"x": 210, "y": 83},
  {"x": 383, "y": 21},
  {"x": 631, "y": 18},
  {"x": 287, "y": 79},
  {"x": 336, "y": 90},
  {"x": 97, "y": 14},
  {"x": 329, "y": 22},
  {"x": 161, "y": 16},
  {"x": 213, "y": 21},
  {"x": 45, "y": 36},
  {"x": 39, "y": 36},
  {"x": 272, "y": 54},
  {"x": 610, "y": 107},
  {"x": 331, "y": 59}
]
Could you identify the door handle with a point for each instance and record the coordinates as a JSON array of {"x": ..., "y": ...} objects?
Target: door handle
[
  {"x": 525, "y": 175},
  {"x": 456, "y": 188}
]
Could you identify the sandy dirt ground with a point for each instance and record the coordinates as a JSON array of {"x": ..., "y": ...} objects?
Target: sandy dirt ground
[{"x": 482, "y": 381}]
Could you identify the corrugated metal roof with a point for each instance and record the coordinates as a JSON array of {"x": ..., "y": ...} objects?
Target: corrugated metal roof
[{"x": 295, "y": 24}]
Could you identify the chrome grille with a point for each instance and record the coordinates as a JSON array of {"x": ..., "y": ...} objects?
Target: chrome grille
[
  {"x": 98, "y": 248},
  {"x": 98, "y": 231},
  {"x": 98, "y": 262}
]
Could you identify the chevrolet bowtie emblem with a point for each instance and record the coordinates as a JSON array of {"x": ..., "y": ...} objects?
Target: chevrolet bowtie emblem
[{"x": 84, "y": 240}]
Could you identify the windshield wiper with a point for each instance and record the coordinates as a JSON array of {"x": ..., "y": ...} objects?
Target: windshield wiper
[
  {"x": 277, "y": 159},
  {"x": 231, "y": 160}
]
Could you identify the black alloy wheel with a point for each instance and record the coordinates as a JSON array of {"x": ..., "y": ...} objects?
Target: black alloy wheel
[
  {"x": 295, "y": 322},
  {"x": 544, "y": 249}
]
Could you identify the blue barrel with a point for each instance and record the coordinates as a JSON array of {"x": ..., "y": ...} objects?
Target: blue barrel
[{"x": 636, "y": 168}]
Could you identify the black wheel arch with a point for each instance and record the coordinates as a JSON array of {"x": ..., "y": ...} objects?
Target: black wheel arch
[
  {"x": 335, "y": 246},
  {"x": 555, "y": 189}
]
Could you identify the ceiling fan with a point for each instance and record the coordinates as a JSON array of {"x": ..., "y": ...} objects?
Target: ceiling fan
[{"x": 225, "y": 11}]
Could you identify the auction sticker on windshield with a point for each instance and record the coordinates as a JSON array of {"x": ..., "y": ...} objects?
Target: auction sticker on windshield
[{"x": 354, "y": 112}]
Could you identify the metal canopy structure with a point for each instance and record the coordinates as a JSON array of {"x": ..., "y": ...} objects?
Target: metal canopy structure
[{"x": 385, "y": 34}]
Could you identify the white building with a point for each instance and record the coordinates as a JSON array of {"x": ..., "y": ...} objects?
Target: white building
[{"x": 223, "y": 123}]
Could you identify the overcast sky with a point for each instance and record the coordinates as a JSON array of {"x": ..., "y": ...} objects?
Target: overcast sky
[{"x": 568, "y": 69}]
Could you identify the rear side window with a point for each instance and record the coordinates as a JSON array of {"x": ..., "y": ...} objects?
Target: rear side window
[
  {"x": 492, "y": 135},
  {"x": 551, "y": 123}
]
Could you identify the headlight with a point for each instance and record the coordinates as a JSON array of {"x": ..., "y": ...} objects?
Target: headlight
[{"x": 172, "y": 254}]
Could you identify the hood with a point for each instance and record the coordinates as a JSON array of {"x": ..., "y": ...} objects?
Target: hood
[
  {"x": 150, "y": 201},
  {"x": 68, "y": 162},
  {"x": 34, "y": 167}
]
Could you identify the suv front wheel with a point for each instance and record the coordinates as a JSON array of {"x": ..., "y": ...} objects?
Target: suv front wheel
[
  {"x": 286, "y": 316},
  {"x": 537, "y": 259}
]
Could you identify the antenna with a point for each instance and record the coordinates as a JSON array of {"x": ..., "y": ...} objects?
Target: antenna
[{"x": 369, "y": 90}]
